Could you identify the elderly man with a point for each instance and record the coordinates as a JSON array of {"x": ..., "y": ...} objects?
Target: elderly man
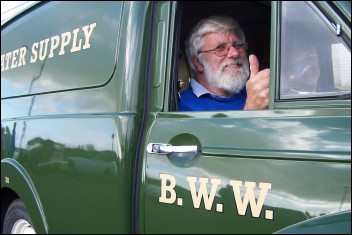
[{"x": 224, "y": 78}]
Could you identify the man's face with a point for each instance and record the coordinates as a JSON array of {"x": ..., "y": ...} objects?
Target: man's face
[{"x": 229, "y": 72}]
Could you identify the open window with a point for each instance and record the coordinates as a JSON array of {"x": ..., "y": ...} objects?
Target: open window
[{"x": 254, "y": 18}]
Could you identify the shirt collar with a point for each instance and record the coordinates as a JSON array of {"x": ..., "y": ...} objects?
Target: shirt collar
[{"x": 198, "y": 89}]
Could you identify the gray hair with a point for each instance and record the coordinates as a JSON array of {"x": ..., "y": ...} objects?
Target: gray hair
[{"x": 212, "y": 24}]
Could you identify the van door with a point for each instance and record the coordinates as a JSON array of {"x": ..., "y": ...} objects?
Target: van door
[{"x": 254, "y": 171}]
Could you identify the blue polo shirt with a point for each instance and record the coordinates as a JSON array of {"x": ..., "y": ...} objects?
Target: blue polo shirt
[{"x": 198, "y": 98}]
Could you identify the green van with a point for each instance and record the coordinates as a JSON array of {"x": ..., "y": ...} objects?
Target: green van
[{"x": 92, "y": 140}]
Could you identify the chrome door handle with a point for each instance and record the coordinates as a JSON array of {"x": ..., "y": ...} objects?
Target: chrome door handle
[{"x": 158, "y": 148}]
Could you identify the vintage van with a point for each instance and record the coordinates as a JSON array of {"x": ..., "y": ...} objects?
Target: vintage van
[{"x": 91, "y": 86}]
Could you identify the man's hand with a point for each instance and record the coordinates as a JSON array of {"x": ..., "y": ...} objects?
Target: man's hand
[{"x": 257, "y": 86}]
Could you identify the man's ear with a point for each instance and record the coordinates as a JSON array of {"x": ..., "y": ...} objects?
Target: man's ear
[{"x": 197, "y": 64}]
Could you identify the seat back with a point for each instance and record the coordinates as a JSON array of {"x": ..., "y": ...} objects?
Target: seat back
[{"x": 184, "y": 73}]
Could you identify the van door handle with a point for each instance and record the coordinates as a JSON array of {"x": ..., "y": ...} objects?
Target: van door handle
[{"x": 158, "y": 148}]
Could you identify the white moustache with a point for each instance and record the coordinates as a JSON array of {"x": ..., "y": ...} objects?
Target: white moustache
[{"x": 237, "y": 62}]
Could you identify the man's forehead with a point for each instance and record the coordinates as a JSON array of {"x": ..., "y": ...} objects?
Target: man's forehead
[{"x": 220, "y": 37}]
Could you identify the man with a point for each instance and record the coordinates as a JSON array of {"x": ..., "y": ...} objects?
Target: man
[{"x": 223, "y": 77}]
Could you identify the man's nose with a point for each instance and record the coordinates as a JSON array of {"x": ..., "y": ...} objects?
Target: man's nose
[{"x": 233, "y": 52}]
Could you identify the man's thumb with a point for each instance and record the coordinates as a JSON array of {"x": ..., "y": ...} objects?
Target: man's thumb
[{"x": 253, "y": 65}]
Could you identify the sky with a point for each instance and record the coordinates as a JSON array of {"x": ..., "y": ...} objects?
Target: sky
[{"x": 7, "y": 7}]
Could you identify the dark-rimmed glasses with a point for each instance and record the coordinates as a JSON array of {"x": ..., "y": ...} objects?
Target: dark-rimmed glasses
[{"x": 223, "y": 49}]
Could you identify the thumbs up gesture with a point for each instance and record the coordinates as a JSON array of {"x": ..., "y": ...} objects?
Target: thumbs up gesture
[{"x": 257, "y": 86}]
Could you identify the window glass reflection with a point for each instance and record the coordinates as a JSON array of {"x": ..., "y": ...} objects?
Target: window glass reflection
[{"x": 314, "y": 60}]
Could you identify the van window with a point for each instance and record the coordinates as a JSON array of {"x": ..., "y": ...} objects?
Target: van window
[{"x": 315, "y": 61}]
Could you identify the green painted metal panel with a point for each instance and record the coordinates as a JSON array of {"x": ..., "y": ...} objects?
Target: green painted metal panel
[
  {"x": 76, "y": 140},
  {"x": 64, "y": 53},
  {"x": 298, "y": 161}
]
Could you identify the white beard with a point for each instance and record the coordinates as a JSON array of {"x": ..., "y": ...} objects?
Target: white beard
[{"x": 233, "y": 81}]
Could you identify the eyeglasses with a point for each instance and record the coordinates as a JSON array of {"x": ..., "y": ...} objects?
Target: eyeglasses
[
  {"x": 304, "y": 62},
  {"x": 223, "y": 49}
]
